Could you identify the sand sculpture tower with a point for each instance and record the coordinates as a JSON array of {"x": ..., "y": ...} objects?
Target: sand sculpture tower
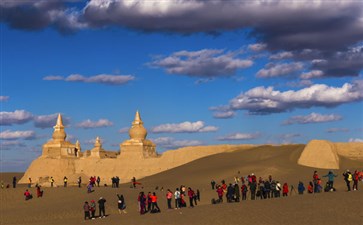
[
  {"x": 138, "y": 146},
  {"x": 97, "y": 150},
  {"x": 58, "y": 147}
]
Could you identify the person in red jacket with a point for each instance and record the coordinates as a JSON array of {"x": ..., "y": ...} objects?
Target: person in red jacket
[
  {"x": 285, "y": 190},
  {"x": 154, "y": 203},
  {"x": 220, "y": 193},
  {"x": 27, "y": 195},
  {"x": 355, "y": 180},
  {"x": 191, "y": 197},
  {"x": 169, "y": 196}
]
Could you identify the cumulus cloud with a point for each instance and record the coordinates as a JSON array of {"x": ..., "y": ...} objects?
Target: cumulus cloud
[
  {"x": 202, "y": 63},
  {"x": 257, "y": 47},
  {"x": 87, "y": 124},
  {"x": 185, "y": 127},
  {"x": 224, "y": 115},
  {"x": 16, "y": 117},
  {"x": 262, "y": 100},
  {"x": 101, "y": 78},
  {"x": 275, "y": 70},
  {"x": 312, "y": 74},
  {"x": 47, "y": 121},
  {"x": 10, "y": 135},
  {"x": 171, "y": 143},
  {"x": 312, "y": 118},
  {"x": 281, "y": 55},
  {"x": 4, "y": 98},
  {"x": 92, "y": 141},
  {"x": 239, "y": 136},
  {"x": 335, "y": 130}
]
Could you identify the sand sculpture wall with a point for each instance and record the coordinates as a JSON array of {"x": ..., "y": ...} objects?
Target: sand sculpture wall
[
  {"x": 326, "y": 155},
  {"x": 137, "y": 158}
]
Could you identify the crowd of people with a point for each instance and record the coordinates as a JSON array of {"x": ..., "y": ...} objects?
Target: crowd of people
[{"x": 90, "y": 209}]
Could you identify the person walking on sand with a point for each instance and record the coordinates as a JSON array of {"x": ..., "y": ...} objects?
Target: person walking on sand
[
  {"x": 142, "y": 203},
  {"x": 101, "y": 207},
  {"x": 14, "y": 182},
  {"x": 285, "y": 190},
  {"x": 169, "y": 196},
  {"x": 213, "y": 183},
  {"x": 86, "y": 210},
  {"x": 191, "y": 197},
  {"x": 355, "y": 180},
  {"x": 177, "y": 198},
  {"x": 92, "y": 208},
  {"x": 65, "y": 180},
  {"x": 121, "y": 204},
  {"x": 30, "y": 182},
  {"x": 348, "y": 178},
  {"x": 98, "y": 181},
  {"x": 154, "y": 202},
  {"x": 330, "y": 177}
]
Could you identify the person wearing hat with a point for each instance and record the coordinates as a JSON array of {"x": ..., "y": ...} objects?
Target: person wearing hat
[{"x": 101, "y": 206}]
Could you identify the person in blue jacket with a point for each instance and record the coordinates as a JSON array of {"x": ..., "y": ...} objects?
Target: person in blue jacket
[{"x": 330, "y": 177}]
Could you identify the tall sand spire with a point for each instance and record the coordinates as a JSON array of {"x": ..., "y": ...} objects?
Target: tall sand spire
[{"x": 59, "y": 134}]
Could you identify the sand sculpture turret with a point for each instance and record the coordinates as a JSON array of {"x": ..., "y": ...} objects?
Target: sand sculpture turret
[
  {"x": 137, "y": 146},
  {"x": 58, "y": 147}
]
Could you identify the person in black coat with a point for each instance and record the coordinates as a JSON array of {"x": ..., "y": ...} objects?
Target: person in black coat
[{"x": 101, "y": 206}]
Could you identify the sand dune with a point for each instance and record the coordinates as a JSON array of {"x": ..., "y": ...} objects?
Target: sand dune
[{"x": 64, "y": 205}]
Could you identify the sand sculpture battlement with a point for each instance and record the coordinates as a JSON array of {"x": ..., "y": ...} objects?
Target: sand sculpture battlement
[{"x": 137, "y": 157}]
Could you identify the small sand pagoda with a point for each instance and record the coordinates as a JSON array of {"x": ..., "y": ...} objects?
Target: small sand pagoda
[{"x": 138, "y": 146}]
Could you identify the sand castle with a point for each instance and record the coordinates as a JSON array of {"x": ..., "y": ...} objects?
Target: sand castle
[{"x": 137, "y": 157}]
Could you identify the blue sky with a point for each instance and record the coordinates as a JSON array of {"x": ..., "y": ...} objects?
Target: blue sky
[{"x": 259, "y": 72}]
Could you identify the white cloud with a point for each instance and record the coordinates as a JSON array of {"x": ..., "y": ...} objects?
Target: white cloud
[
  {"x": 312, "y": 118},
  {"x": 282, "y": 55},
  {"x": 261, "y": 100},
  {"x": 355, "y": 140},
  {"x": 16, "y": 117},
  {"x": 101, "y": 78},
  {"x": 203, "y": 63},
  {"x": 47, "y": 121},
  {"x": 10, "y": 135},
  {"x": 94, "y": 124},
  {"x": 185, "y": 127},
  {"x": 276, "y": 70},
  {"x": 171, "y": 143},
  {"x": 4, "y": 98},
  {"x": 8, "y": 145},
  {"x": 312, "y": 74},
  {"x": 239, "y": 136},
  {"x": 92, "y": 141},
  {"x": 224, "y": 115},
  {"x": 257, "y": 47}
]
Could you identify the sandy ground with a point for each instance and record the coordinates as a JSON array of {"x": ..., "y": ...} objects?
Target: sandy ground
[{"x": 64, "y": 205}]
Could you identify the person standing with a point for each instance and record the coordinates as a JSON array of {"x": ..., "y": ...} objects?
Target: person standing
[
  {"x": 169, "y": 196},
  {"x": 65, "y": 180},
  {"x": 220, "y": 193},
  {"x": 348, "y": 178},
  {"x": 330, "y": 177},
  {"x": 244, "y": 191},
  {"x": 285, "y": 190},
  {"x": 315, "y": 181},
  {"x": 177, "y": 198},
  {"x": 98, "y": 181},
  {"x": 253, "y": 187},
  {"x": 79, "y": 181},
  {"x": 154, "y": 201},
  {"x": 86, "y": 210},
  {"x": 301, "y": 188},
  {"x": 213, "y": 183},
  {"x": 121, "y": 204},
  {"x": 149, "y": 201},
  {"x": 278, "y": 189},
  {"x": 92, "y": 209},
  {"x": 30, "y": 182},
  {"x": 39, "y": 192},
  {"x": 51, "y": 180},
  {"x": 101, "y": 206},
  {"x": 355, "y": 180},
  {"x": 191, "y": 197},
  {"x": 14, "y": 182},
  {"x": 133, "y": 180},
  {"x": 142, "y": 203}
]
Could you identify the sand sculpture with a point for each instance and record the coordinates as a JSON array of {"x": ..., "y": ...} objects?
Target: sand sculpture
[
  {"x": 326, "y": 155},
  {"x": 136, "y": 157}
]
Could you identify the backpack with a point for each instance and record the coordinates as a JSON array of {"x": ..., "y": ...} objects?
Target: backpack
[{"x": 350, "y": 177}]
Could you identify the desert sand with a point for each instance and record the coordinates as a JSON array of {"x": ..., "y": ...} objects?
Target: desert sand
[{"x": 64, "y": 205}]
